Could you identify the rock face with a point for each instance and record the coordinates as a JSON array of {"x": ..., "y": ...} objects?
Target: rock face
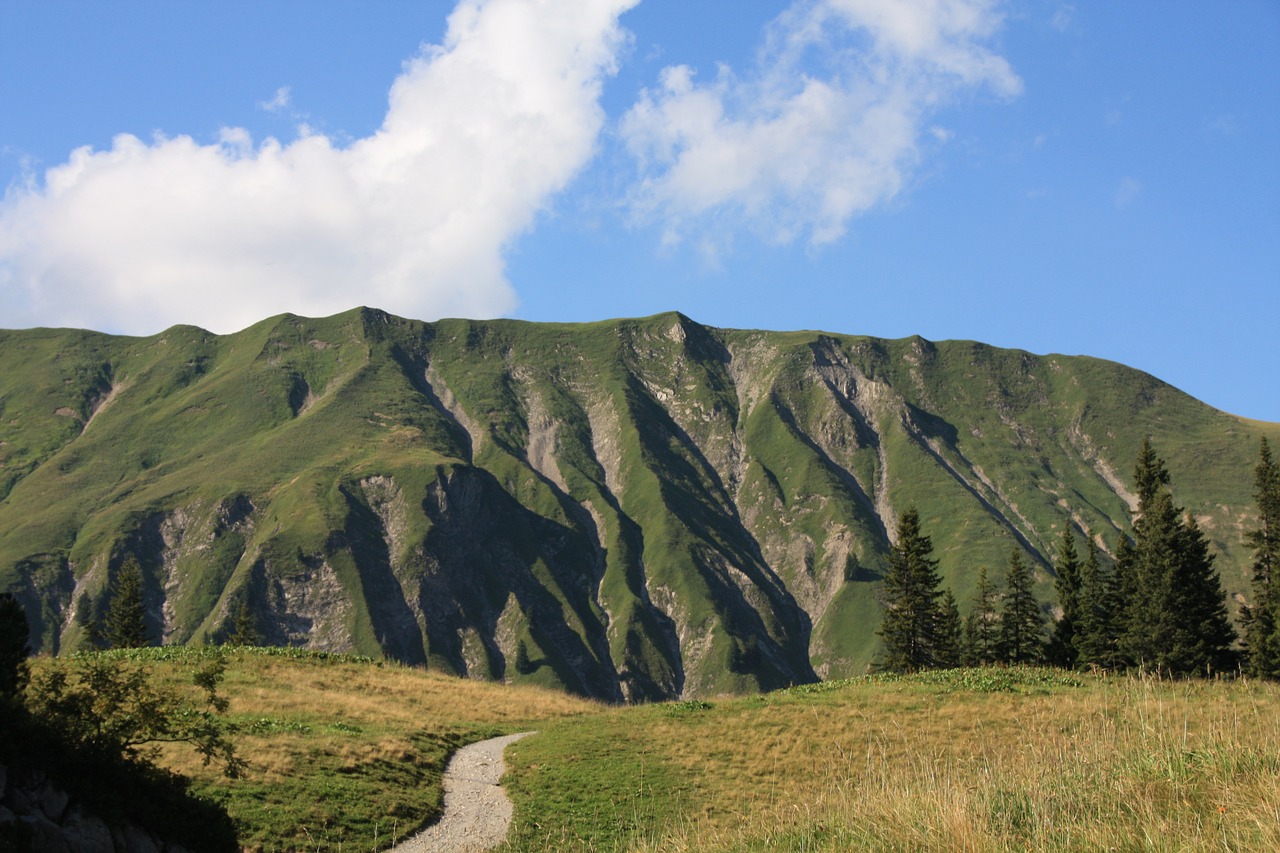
[
  {"x": 649, "y": 508},
  {"x": 36, "y": 814}
]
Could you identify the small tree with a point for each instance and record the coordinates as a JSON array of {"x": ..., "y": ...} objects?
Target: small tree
[
  {"x": 981, "y": 628},
  {"x": 112, "y": 709},
  {"x": 244, "y": 630},
  {"x": 910, "y": 624},
  {"x": 127, "y": 615},
  {"x": 949, "y": 651},
  {"x": 1261, "y": 618},
  {"x": 524, "y": 666},
  {"x": 1062, "y": 642},
  {"x": 1094, "y": 633},
  {"x": 1021, "y": 623},
  {"x": 15, "y": 646}
]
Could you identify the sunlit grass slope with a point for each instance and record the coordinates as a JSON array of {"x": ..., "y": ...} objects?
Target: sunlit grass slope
[
  {"x": 343, "y": 753},
  {"x": 968, "y": 760},
  {"x": 347, "y": 754}
]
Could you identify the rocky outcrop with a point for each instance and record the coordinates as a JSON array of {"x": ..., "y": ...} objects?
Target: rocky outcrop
[{"x": 37, "y": 814}]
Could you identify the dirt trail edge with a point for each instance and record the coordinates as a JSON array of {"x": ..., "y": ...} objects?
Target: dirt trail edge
[{"x": 477, "y": 813}]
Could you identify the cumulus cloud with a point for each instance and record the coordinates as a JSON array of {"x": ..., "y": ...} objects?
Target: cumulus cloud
[
  {"x": 479, "y": 133},
  {"x": 827, "y": 126}
]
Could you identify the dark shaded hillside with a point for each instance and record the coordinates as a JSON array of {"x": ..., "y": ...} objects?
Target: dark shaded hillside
[{"x": 652, "y": 507}]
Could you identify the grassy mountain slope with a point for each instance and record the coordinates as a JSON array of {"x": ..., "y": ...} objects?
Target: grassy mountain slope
[{"x": 653, "y": 508}]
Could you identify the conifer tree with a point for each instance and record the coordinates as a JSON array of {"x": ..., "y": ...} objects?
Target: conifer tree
[
  {"x": 981, "y": 635},
  {"x": 524, "y": 666},
  {"x": 950, "y": 634},
  {"x": 1062, "y": 643},
  {"x": 1202, "y": 634},
  {"x": 1021, "y": 623},
  {"x": 1121, "y": 590},
  {"x": 1094, "y": 633},
  {"x": 1261, "y": 618},
  {"x": 911, "y": 592},
  {"x": 126, "y": 615},
  {"x": 244, "y": 630},
  {"x": 1172, "y": 607},
  {"x": 1149, "y": 474}
]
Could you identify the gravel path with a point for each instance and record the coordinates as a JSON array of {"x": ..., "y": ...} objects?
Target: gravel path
[{"x": 477, "y": 813}]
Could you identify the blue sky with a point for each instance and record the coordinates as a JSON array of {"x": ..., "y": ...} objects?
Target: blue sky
[{"x": 1087, "y": 178}]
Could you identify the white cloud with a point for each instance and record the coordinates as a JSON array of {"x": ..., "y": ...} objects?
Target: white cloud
[
  {"x": 1063, "y": 17},
  {"x": 1127, "y": 192},
  {"x": 827, "y": 127},
  {"x": 279, "y": 102},
  {"x": 480, "y": 132}
]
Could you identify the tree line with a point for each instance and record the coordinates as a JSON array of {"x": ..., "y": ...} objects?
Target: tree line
[{"x": 1159, "y": 605}]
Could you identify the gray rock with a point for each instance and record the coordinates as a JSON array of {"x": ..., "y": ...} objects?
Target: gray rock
[
  {"x": 87, "y": 833},
  {"x": 51, "y": 800},
  {"x": 47, "y": 836},
  {"x": 130, "y": 838}
]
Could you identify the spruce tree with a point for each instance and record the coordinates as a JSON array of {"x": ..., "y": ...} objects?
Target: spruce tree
[
  {"x": 1172, "y": 610},
  {"x": 244, "y": 630},
  {"x": 949, "y": 651},
  {"x": 524, "y": 665},
  {"x": 1261, "y": 618},
  {"x": 1121, "y": 593},
  {"x": 1149, "y": 474},
  {"x": 1201, "y": 634},
  {"x": 1094, "y": 634},
  {"x": 910, "y": 597},
  {"x": 126, "y": 615},
  {"x": 1062, "y": 643},
  {"x": 981, "y": 634},
  {"x": 1021, "y": 623}
]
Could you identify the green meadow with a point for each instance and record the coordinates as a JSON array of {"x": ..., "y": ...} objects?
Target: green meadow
[{"x": 347, "y": 753}]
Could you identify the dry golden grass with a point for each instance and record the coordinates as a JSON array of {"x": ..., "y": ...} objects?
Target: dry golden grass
[
  {"x": 1115, "y": 764},
  {"x": 348, "y": 755}
]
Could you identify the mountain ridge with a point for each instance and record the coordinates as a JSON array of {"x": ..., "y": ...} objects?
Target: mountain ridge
[{"x": 652, "y": 507}]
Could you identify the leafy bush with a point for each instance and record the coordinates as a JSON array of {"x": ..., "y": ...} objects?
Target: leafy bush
[
  {"x": 110, "y": 708},
  {"x": 111, "y": 787}
]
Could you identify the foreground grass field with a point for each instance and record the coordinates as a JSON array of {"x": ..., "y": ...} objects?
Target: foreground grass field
[
  {"x": 347, "y": 755},
  {"x": 1018, "y": 759},
  {"x": 343, "y": 753}
]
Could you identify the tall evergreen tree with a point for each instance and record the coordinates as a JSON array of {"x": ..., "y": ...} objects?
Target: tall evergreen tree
[
  {"x": 1021, "y": 623},
  {"x": 1261, "y": 618},
  {"x": 981, "y": 628},
  {"x": 1094, "y": 633},
  {"x": 911, "y": 592},
  {"x": 1202, "y": 634},
  {"x": 949, "y": 652},
  {"x": 126, "y": 615},
  {"x": 1149, "y": 474},
  {"x": 1173, "y": 611},
  {"x": 1062, "y": 643}
]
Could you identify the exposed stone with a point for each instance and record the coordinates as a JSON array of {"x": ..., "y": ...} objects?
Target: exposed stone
[
  {"x": 134, "y": 839},
  {"x": 87, "y": 832}
]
